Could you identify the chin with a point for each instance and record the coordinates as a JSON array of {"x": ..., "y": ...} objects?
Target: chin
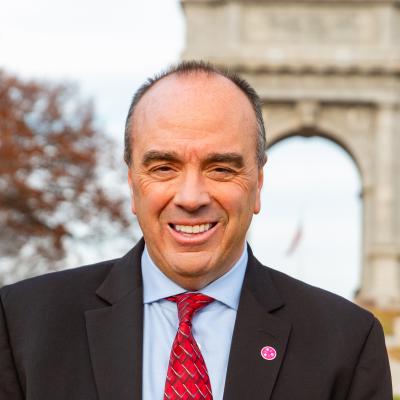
[
  {"x": 191, "y": 271},
  {"x": 192, "y": 274}
]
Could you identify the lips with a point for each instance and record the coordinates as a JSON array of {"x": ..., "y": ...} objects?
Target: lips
[{"x": 192, "y": 235}]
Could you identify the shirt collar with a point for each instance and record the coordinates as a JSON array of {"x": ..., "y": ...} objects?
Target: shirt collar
[{"x": 226, "y": 289}]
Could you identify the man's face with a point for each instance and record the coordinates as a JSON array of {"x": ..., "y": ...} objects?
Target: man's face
[{"x": 195, "y": 181}]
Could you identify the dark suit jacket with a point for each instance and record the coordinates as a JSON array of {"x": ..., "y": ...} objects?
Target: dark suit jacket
[{"x": 77, "y": 335}]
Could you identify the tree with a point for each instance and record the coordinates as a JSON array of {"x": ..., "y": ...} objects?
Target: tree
[{"x": 52, "y": 160}]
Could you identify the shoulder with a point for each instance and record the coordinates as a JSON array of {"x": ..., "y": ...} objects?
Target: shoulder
[
  {"x": 308, "y": 307},
  {"x": 325, "y": 323},
  {"x": 55, "y": 287},
  {"x": 294, "y": 289}
]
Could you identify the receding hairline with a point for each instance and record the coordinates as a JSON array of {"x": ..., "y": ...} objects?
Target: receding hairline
[
  {"x": 186, "y": 76},
  {"x": 192, "y": 68}
]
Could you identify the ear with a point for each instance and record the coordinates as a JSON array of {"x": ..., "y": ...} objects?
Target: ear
[
  {"x": 260, "y": 181},
  {"x": 131, "y": 187}
]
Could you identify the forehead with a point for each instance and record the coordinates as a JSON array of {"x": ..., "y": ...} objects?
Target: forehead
[
  {"x": 195, "y": 102},
  {"x": 194, "y": 87}
]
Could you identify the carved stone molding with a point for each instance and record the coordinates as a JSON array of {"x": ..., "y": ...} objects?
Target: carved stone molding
[{"x": 308, "y": 112}]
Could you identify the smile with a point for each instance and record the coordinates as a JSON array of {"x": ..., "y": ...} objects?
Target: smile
[{"x": 192, "y": 229}]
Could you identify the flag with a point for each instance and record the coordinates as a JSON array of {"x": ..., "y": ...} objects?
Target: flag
[{"x": 295, "y": 240}]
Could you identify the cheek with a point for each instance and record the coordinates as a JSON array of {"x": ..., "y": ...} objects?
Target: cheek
[
  {"x": 237, "y": 199},
  {"x": 241, "y": 210},
  {"x": 232, "y": 201},
  {"x": 149, "y": 199}
]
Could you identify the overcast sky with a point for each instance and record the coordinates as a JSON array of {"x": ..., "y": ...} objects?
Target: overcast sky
[{"x": 311, "y": 186}]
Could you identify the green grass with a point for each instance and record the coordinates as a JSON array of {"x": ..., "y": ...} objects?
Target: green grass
[{"x": 396, "y": 398}]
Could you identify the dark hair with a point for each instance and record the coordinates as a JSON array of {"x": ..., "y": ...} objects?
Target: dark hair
[{"x": 189, "y": 67}]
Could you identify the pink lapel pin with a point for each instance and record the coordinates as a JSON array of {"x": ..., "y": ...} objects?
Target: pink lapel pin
[{"x": 268, "y": 353}]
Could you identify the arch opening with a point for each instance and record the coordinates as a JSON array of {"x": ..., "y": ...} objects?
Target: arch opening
[{"x": 310, "y": 222}]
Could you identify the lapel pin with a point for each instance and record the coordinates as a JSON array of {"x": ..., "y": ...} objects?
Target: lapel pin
[{"x": 268, "y": 353}]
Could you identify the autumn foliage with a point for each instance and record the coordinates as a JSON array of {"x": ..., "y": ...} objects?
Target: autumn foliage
[{"x": 52, "y": 159}]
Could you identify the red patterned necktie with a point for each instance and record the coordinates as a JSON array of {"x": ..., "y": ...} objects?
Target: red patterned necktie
[{"x": 187, "y": 376}]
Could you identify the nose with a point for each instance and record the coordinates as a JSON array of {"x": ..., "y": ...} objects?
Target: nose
[{"x": 192, "y": 193}]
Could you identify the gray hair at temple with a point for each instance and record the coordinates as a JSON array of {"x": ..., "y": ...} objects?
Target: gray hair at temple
[{"x": 193, "y": 67}]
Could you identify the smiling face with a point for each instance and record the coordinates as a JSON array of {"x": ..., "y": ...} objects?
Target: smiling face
[{"x": 194, "y": 179}]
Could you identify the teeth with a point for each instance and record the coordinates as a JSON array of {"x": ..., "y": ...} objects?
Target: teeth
[{"x": 192, "y": 228}]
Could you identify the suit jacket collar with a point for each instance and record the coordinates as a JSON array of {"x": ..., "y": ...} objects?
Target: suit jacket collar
[
  {"x": 249, "y": 375},
  {"x": 115, "y": 333},
  {"x": 124, "y": 277},
  {"x": 259, "y": 282}
]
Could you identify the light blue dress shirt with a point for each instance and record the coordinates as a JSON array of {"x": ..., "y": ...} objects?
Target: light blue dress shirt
[{"x": 212, "y": 326}]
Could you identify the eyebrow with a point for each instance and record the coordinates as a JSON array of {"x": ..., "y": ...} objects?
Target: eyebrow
[
  {"x": 229, "y": 158},
  {"x": 156, "y": 155}
]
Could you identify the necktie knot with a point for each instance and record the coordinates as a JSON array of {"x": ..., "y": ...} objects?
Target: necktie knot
[{"x": 188, "y": 304}]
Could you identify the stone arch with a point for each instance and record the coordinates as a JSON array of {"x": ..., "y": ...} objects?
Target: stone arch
[
  {"x": 292, "y": 208},
  {"x": 323, "y": 66}
]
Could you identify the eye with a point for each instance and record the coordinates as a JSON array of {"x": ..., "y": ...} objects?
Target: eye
[
  {"x": 162, "y": 168},
  {"x": 163, "y": 171},
  {"x": 221, "y": 173},
  {"x": 224, "y": 170}
]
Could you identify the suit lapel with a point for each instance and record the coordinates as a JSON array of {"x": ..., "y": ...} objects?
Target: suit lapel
[
  {"x": 250, "y": 376},
  {"x": 115, "y": 332}
]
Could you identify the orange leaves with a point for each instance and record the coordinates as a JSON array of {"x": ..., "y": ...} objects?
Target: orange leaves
[{"x": 49, "y": 168}]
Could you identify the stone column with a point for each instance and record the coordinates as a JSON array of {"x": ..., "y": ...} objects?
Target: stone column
[{"x": 382, "y": 278}]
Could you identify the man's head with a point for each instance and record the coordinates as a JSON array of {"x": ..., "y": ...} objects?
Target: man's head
[{"x": 195, "y": 148}]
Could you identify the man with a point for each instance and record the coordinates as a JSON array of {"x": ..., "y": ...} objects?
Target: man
[{"x": 189, "y": 312}]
